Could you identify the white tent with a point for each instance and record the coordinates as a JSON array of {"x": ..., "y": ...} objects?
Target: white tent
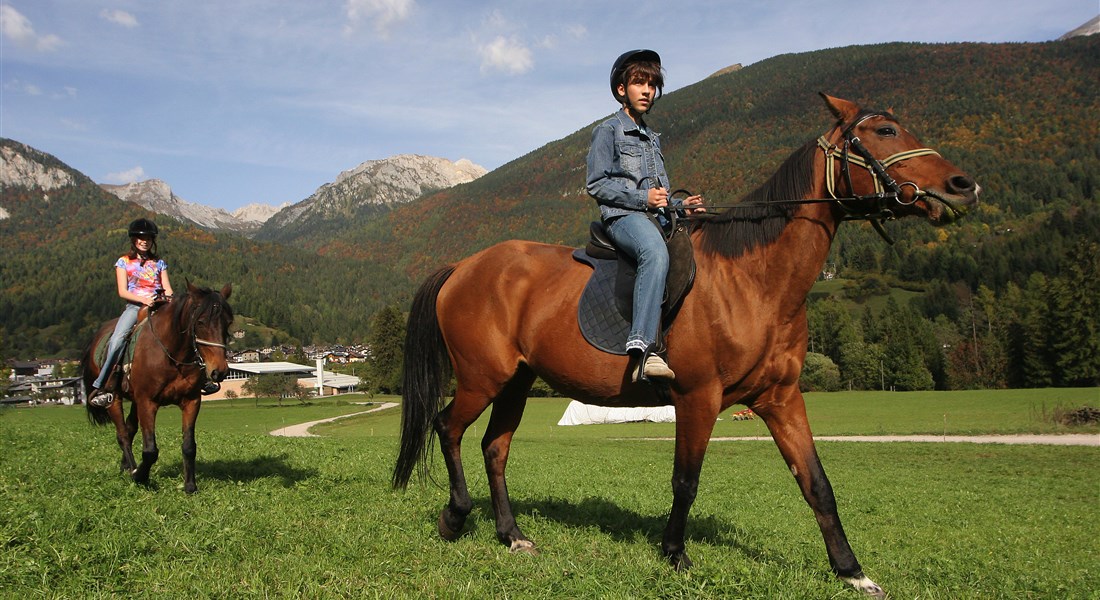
[{"x": 585, "y": 414}]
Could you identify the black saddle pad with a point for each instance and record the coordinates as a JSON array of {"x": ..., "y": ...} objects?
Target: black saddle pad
[
  {"x": 605, "y": 308},
  {"x": 602, "y": 323}
]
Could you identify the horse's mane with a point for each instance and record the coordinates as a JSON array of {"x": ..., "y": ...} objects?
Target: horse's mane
[
  {"x": 739, "y": 230},
  {"x": 205, "y": 302}
]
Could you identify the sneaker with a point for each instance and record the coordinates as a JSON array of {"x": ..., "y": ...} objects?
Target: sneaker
[
  {"x": 101, "y": 399},
  {"x": 655, "y": 368}
]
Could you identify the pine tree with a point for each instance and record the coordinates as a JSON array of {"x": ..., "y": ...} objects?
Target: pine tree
[{"x": 387, "y": 341}]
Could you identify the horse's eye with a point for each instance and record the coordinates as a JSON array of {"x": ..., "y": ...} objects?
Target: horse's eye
[{"x": 887, "y": 131}]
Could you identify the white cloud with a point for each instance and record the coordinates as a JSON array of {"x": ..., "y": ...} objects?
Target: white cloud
[
  {"x": 381, "y": 13},
  {"x": 21, "y": 86},
  {"x": 119, "y": 17},
  {"x": 74, "y": 125},
  {"x": 506, "y": 54},
  {"x": 128, "y": 176},
  {"x": 18, "y": 28}
]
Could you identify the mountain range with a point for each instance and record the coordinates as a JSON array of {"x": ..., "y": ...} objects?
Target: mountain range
[
  {"x": 373, "y": 184},
  {"x": 1022, "y": 118}
]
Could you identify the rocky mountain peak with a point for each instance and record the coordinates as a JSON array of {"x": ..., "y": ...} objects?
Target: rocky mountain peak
[
  {"x": 378, "y": 184},
  {"x": 23, "y": 166},
  {"x": 158, "y": 197}
]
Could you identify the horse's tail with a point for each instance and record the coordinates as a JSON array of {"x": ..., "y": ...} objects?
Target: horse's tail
[
  {"x": 97, "y": 415},
  {"x": 427, "y": 368}
]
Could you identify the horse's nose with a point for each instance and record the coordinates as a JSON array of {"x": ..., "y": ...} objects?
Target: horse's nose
[
  {"x": 962, "y": 185},
  {"x": 216, "y": 375}
]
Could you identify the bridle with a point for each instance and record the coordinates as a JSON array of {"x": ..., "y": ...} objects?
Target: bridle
[
  {"x": 196, "y": 341},
  {"x": 888, "y": 192}
]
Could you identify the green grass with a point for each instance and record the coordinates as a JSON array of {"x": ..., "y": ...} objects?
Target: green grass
[{"x": 315, "y": 517}]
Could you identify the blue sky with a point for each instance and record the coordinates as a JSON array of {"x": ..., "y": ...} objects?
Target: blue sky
[{"x": 242, "y": 101}]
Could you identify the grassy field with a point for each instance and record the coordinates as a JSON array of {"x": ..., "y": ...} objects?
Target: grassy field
[{"x": 315, "y": 517}]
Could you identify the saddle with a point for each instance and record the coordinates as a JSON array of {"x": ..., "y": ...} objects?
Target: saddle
[
  {"x": 119, "y": 380},
  {"x": 606, "y": 304}
]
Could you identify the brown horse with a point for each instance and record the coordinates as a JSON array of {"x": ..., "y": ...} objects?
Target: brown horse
[
  {"x": 509, "y": 313},
  {"x": 178, "y": 347}
]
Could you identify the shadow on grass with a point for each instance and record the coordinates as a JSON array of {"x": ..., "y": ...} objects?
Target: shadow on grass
[
  {"x": 261, "y": 467},
  {"x": 625, "y": 525}
]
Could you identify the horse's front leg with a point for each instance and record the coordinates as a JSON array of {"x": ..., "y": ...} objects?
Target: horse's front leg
[
  {"x": 147, "y": 418},
  {"x": 507, "y": 412},
  {"x": 694, "y": 424},
  {"x": 190, "y": 409},
  {"x": 784, "y": 412}
]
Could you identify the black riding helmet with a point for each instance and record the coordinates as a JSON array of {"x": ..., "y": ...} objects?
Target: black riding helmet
[
  {"x": 624, "y": 60},
  {"x": 142, "y": 227}
]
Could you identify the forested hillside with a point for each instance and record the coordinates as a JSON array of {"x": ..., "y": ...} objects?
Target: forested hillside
[
  {"x": 1023, "y": 119},
  {"x": 1007, "y": 297},
  {"x": 56, "y": 255}
]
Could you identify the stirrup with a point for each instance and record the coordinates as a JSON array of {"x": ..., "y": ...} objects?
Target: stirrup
[
  {"x": 101, "y": 399},
  {"x": 651, "y": 366}
]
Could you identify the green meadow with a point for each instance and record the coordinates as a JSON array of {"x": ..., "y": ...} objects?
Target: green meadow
[{"x": 316, "y": 518}]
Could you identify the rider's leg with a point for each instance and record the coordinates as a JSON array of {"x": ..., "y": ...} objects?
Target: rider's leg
[{"x": 114, "y": 347}]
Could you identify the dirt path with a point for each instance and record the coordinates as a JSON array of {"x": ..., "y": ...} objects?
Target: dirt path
[{"x": 302, "y": 429}]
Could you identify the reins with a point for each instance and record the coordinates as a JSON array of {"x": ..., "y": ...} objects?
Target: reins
[
  {"x": 196, "y": 341},
  {"x": 886, "y": 189}
]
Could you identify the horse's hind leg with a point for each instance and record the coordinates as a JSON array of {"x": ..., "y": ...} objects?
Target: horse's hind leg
[
  {"x": 785, "y": 416},
  {"x": 507, "y": 412},
  {"x": 126, "y": 435},
  {"x": 450, "y": 426}
]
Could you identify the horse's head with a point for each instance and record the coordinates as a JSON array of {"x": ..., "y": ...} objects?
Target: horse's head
[
  {"x": 207, "y": 315},
  {"x": 870, "y": 156}
]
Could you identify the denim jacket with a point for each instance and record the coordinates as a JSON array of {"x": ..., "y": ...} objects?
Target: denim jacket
[{"x": 624, "y": 162}]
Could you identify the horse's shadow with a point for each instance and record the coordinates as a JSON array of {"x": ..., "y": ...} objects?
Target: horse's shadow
[
  {"x": 626, "y": 525},
  {"x": 238, "y": 470}
]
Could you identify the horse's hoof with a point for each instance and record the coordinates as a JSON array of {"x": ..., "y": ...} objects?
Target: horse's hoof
[
  {"x": 525, "y": 546},
  {"x": 865, "y": 585},
  {"x": 679, "y": 561},
  {"x": 446, "y": 531}
]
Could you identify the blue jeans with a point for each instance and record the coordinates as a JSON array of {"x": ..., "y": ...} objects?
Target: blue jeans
[
  {"x": 118, "y": 339},
  {"x": 641, "y": 240}
]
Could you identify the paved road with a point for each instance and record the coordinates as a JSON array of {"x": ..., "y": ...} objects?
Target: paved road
[
  {"x": 302, "y": 429},
  {"x": 1072, "y": 439}
]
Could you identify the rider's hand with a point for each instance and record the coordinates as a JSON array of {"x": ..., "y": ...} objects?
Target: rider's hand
[
  {"x": 658, "y": 198},
  {"x": 694, "y": 201}
]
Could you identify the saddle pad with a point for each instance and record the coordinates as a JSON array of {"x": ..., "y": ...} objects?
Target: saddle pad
[
  {"x": 601, "y": 323},
  {"x": 127, "y": 350}
]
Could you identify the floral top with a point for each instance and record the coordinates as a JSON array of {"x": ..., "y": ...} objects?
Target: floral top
[{"x": 142, "y": 276}]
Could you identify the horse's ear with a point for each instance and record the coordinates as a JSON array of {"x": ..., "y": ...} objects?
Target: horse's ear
[
  {"x": 228, "y": 289},
  {"x": 190, "y": 288},
  {"x": 843, "y": 110}
]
